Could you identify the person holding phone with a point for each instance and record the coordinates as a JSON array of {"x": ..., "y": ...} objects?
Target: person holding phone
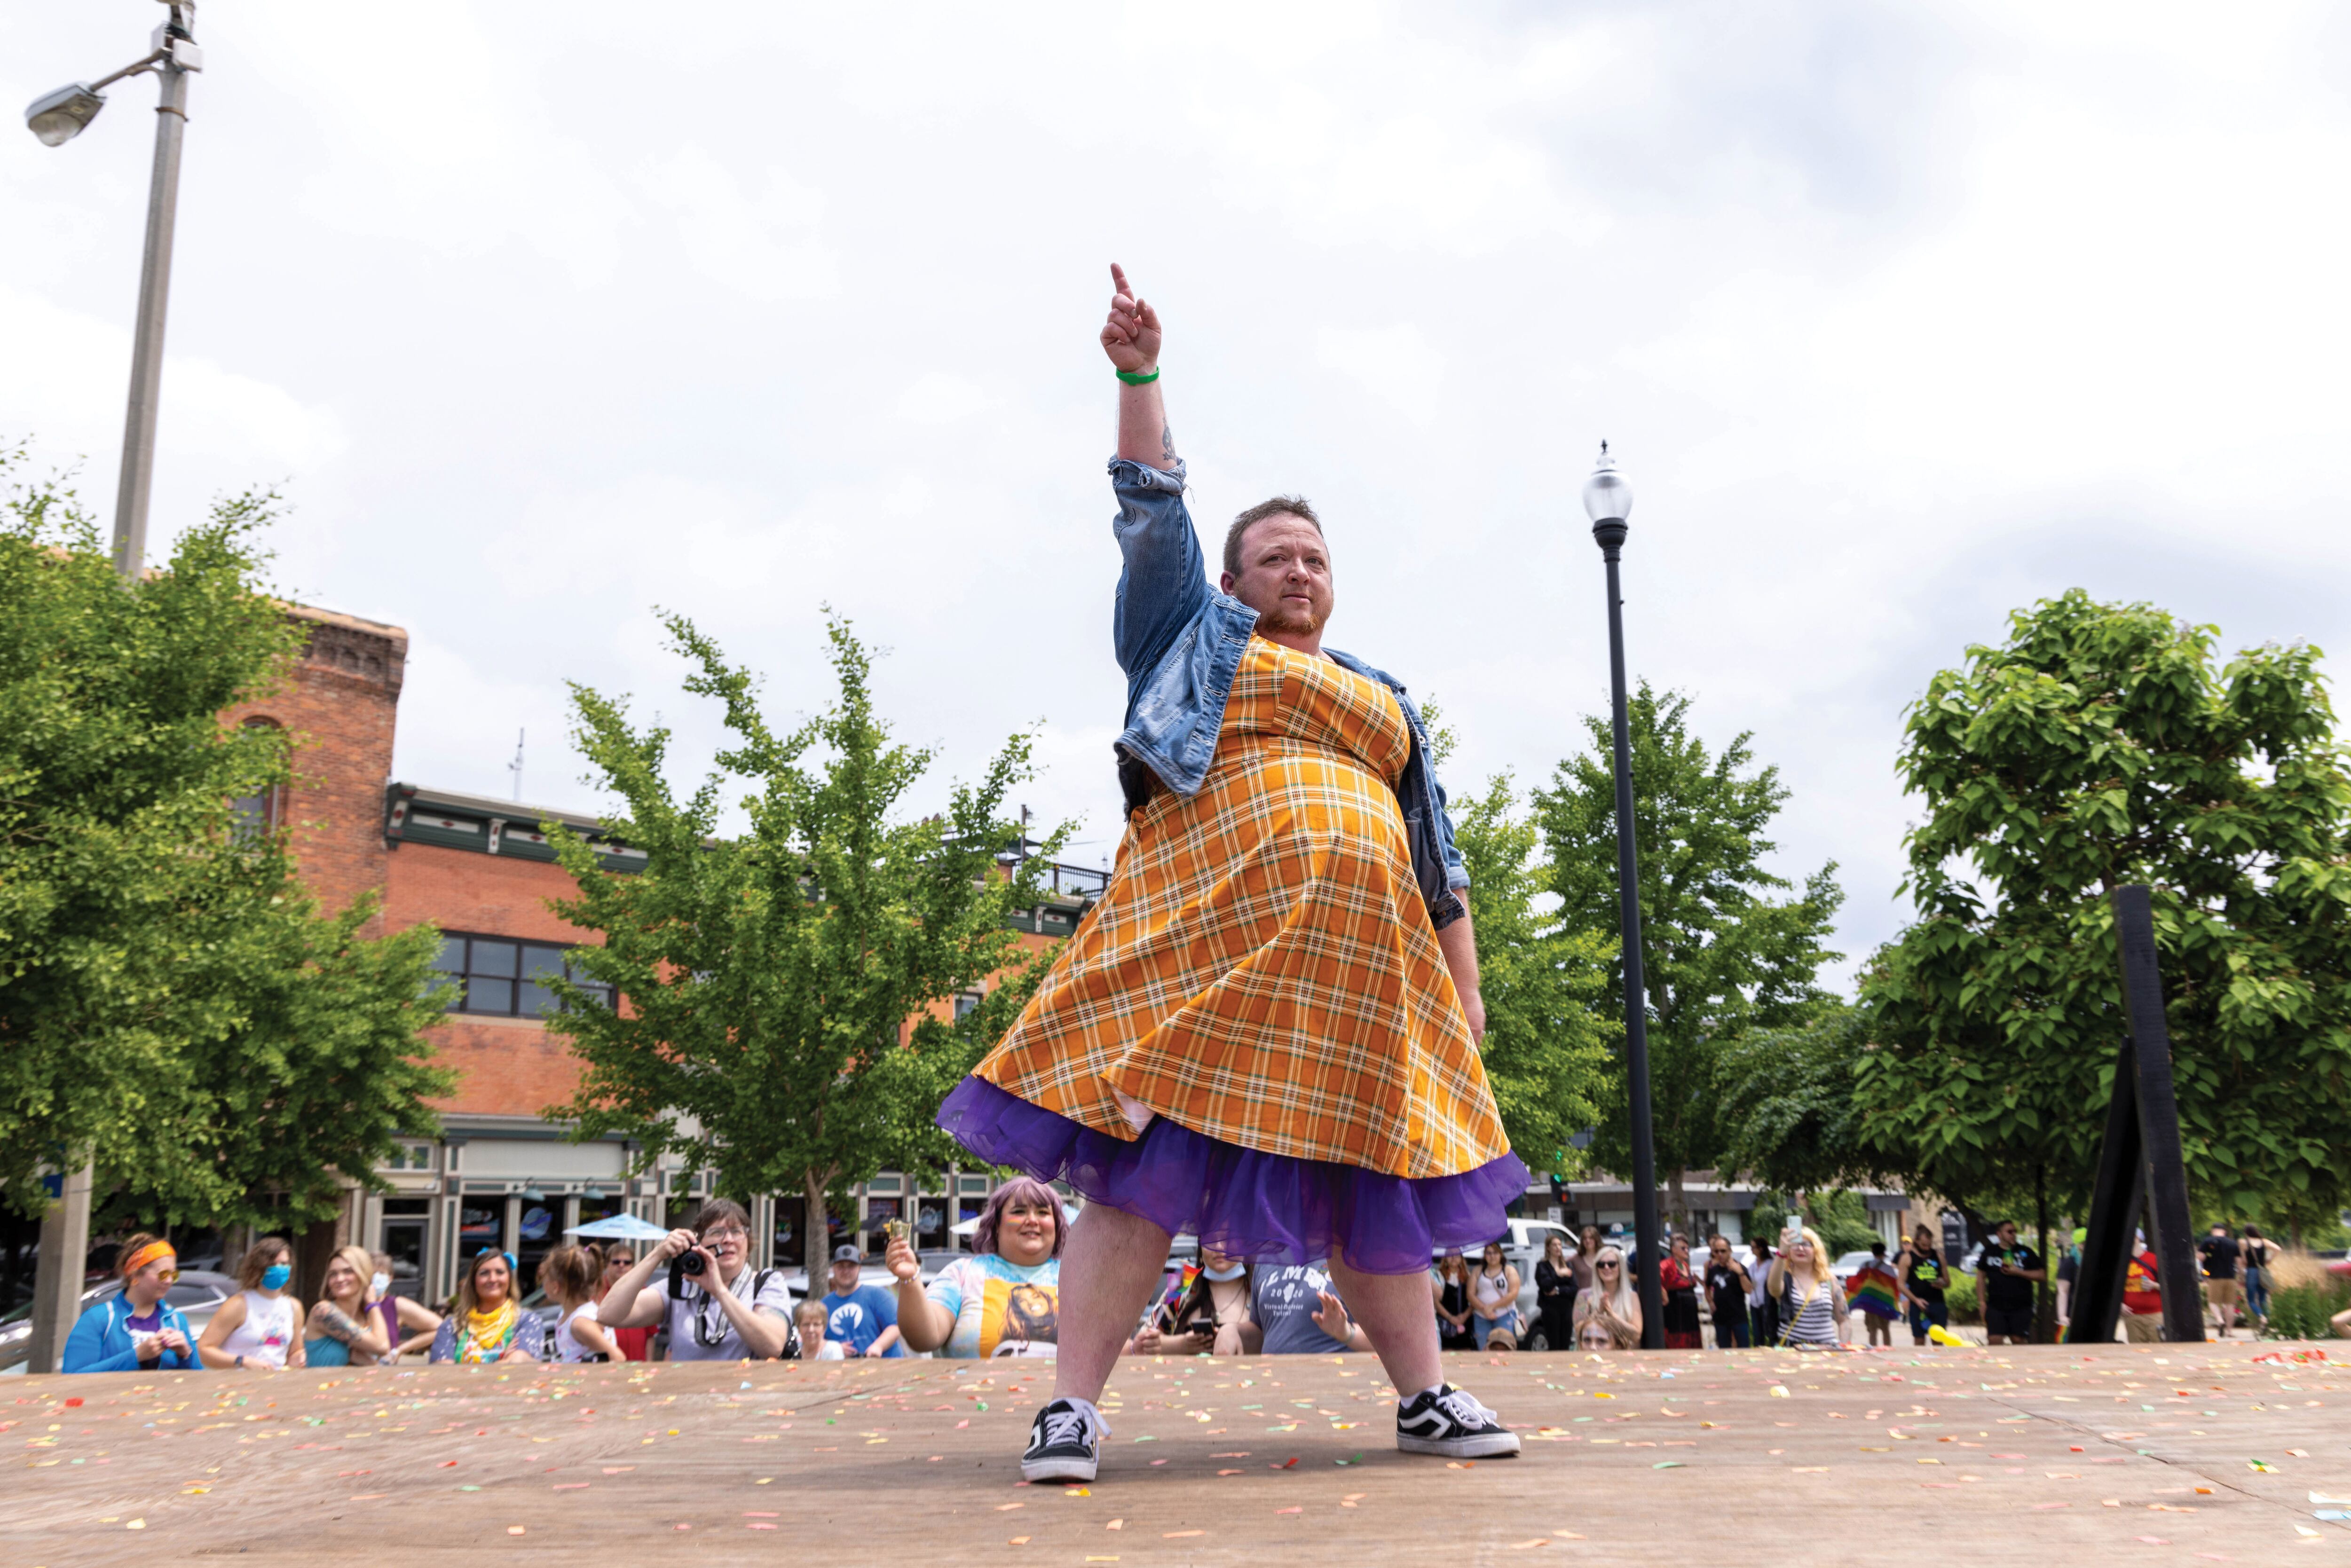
[{"x": 1211, "y": 1317}]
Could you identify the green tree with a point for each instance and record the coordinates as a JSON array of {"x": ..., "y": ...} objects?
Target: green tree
[
  {"x": 1792, "y": 1118},
  {"x": 1721, "y": 954},
  {"x": 170, "y": 1002},
  {"x": 767, "y": 980},
  {"x": 1547, "y": 1040},
  {"x": 2099, "y": 746}
]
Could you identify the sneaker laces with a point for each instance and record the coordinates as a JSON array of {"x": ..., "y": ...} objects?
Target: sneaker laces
[
  {"x": 1463, "y": 1406},
  {"x": 1076, "y": 1423}
]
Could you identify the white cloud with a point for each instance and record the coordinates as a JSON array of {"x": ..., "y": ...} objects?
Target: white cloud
[{"x": 1899, "y": 317}]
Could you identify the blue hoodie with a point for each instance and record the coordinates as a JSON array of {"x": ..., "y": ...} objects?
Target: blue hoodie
[{"x": 100, "y": 1342}]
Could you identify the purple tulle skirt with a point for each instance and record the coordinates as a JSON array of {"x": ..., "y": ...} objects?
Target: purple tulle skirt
[{"x": 1268, "y": 1208}]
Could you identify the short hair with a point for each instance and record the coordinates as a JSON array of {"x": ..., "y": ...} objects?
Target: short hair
[
  {"x": 708, "y": 1216},
  {"x": 810, "y": 1307},
  {"x": 260, "y": 1257},
  {"x": 1280, "y": 506},
  {"x": 1877, "y": 1248},
  {"x": 1019, "y": 1189},
  {"x": 1717, "y": 1236}
]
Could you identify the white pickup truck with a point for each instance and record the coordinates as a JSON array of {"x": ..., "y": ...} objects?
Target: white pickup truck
[{"x": 1523, "y": 1248}]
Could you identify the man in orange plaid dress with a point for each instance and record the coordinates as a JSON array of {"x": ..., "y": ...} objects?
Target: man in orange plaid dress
[{"x": 1266, "y": 1033}]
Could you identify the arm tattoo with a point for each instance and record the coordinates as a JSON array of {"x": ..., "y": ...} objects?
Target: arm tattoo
[
  {"x": 1167, "y": 445},
  {"x": 338, "y": 1325}
]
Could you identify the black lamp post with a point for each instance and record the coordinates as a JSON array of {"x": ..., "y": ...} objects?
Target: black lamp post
[{"x": 1608, "y": 501}]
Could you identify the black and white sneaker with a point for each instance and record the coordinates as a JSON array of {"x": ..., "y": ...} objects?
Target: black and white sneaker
[
  {"x": 1065, "y": 1443},
  {"x": 1447, "y": 1421}
]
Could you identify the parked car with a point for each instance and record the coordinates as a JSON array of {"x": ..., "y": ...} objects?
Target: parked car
[{"x": 198, "y": 1293}]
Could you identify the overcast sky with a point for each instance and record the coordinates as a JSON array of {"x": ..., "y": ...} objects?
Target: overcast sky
[{"x": 1900, "y": 317}]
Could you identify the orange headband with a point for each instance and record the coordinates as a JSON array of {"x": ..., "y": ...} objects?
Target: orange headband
[{"x": 146, "y": 1255}]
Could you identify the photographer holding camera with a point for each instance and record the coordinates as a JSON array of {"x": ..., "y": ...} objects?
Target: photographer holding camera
[{"x": 717, "y": 1307}]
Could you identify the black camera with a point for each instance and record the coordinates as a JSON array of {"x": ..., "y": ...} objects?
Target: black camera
[{"x": 684, "y": 1267}]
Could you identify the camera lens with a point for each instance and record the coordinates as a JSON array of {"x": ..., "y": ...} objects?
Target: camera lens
[{"x": 689, "y": 1264}]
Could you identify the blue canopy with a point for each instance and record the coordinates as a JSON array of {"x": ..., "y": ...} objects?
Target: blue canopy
[{"x": 620, "y": 1227}]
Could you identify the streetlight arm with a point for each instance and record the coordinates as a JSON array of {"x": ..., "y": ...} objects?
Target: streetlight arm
[{"x": 132, "y": 69}]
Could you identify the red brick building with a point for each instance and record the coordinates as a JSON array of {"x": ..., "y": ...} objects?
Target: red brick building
[{"x": 480, "y": 869}]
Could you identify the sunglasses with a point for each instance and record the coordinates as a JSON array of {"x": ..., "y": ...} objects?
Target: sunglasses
[
  {"x": 1611, "y": 1265},
  {"x": 169, "y": 1276}
]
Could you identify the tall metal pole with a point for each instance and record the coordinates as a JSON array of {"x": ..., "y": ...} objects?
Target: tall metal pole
[
  {"x": 65, "y": 1229},
  {"x": 1610, "y": 532},
  {"x": 136, "y": 485}
]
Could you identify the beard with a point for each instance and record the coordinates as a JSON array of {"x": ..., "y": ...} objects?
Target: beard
[{"x": 1281, "y": 617}]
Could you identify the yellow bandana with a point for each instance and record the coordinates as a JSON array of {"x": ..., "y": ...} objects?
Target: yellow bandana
[{"x": 486, "y": 1334}]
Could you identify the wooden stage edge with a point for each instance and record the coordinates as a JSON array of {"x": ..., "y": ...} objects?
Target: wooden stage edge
[{"x": 2157, "y": 1453}]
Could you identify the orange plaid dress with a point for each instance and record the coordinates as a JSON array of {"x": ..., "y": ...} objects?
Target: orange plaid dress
[{"x": 1261, "y": 968}]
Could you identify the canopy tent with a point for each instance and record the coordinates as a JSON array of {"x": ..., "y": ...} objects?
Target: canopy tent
[{"x": 620, "y": 1227}]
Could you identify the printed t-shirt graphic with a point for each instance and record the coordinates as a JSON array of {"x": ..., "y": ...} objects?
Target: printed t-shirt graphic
[
  {"x": 999, "y": 1307},
  {"x": 1283, "y": 1299},
  {"x": 857, "y": 1319}
]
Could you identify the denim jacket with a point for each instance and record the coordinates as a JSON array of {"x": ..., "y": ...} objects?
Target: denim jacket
[{"x": 1180, "y": 642}]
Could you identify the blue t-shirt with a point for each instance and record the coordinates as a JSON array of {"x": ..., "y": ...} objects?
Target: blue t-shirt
[
  {"x": 857, "y": 1319},
  {"x": 1283, "y": 1299}
]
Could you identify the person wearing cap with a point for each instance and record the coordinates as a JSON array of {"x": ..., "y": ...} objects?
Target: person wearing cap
[
  {"x": 860, "y": 1319},
  {"x": 135, "y": 1330}
]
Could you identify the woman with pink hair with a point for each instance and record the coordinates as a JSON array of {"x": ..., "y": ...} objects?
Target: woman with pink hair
[{"x": 1002, "y": 1300}]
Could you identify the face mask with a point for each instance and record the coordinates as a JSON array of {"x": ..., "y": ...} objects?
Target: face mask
[
  {"x": 273, "y": 1278},
  {"x": 378, "y": 1283},
  {"x": 1225, "y": 1275}
]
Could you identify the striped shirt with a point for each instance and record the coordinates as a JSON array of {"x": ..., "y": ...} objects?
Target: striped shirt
[{"x": 1812, "y": 1324}]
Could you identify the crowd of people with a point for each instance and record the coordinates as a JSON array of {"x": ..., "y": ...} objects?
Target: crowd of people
[{"x": 694, "y": 1295}]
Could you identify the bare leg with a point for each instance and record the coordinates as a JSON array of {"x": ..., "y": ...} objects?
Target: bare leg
[
  {"x": 1395, "y": 1313},
  {"x": 1110, "y": 1265}
]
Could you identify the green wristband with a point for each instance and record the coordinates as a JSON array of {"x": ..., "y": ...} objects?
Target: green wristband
[{"x": 1133, "y": 379}]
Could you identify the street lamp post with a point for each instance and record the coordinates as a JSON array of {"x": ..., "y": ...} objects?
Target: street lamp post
[
  {"x": 1608, "y": 501},
  {"x": 57, "y": 119}
]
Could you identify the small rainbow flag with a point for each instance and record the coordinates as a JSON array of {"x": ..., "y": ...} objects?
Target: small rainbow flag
[
  {"x": 1178, "y": 1285},
  {"x": 1872, "y": 1291}
]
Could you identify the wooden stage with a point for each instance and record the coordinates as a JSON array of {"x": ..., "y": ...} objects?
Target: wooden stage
[{"x": 2145, "y": 1454}]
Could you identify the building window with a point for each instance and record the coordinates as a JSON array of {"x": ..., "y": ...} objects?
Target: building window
[
  {"x": 966, "y": 1001},
  {"x": 505, "y": 979},
  {"x": 262, "y": 813},
  {"x": 411, "y": 1158}
]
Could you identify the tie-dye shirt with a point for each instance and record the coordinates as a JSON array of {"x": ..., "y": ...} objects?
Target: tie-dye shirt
[{"x": 1000, "y": 1308}]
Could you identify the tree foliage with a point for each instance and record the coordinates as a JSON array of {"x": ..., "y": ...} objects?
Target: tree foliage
[
  {"x": 1547, "y": 1037},
  {"x": 171, "y": 1004},
  {"x": 766, "y": 980},
  {"x": 1721, "y": 954},
  {"x": 2099, "y": 746}
]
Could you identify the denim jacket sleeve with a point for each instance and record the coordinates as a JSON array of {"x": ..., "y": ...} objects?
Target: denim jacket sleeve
[{"x": 1164, "y": 585}]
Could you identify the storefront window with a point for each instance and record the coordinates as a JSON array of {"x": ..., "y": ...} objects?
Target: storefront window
[{"x": 406, "y": 1223}]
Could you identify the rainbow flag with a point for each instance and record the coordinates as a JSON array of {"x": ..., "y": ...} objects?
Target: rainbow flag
[
  {"x": 1177, "y": 1285},
  {"x": 1872, "y": 1291}
]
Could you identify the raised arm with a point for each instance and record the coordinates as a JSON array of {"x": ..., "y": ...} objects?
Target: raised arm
[
  {"x": 1165, "y": 582},
  {"x": 1131, "y": 338}
]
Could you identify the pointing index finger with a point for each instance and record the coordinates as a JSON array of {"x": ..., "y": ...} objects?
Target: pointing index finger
[{"x": 1118, "y": 278}]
